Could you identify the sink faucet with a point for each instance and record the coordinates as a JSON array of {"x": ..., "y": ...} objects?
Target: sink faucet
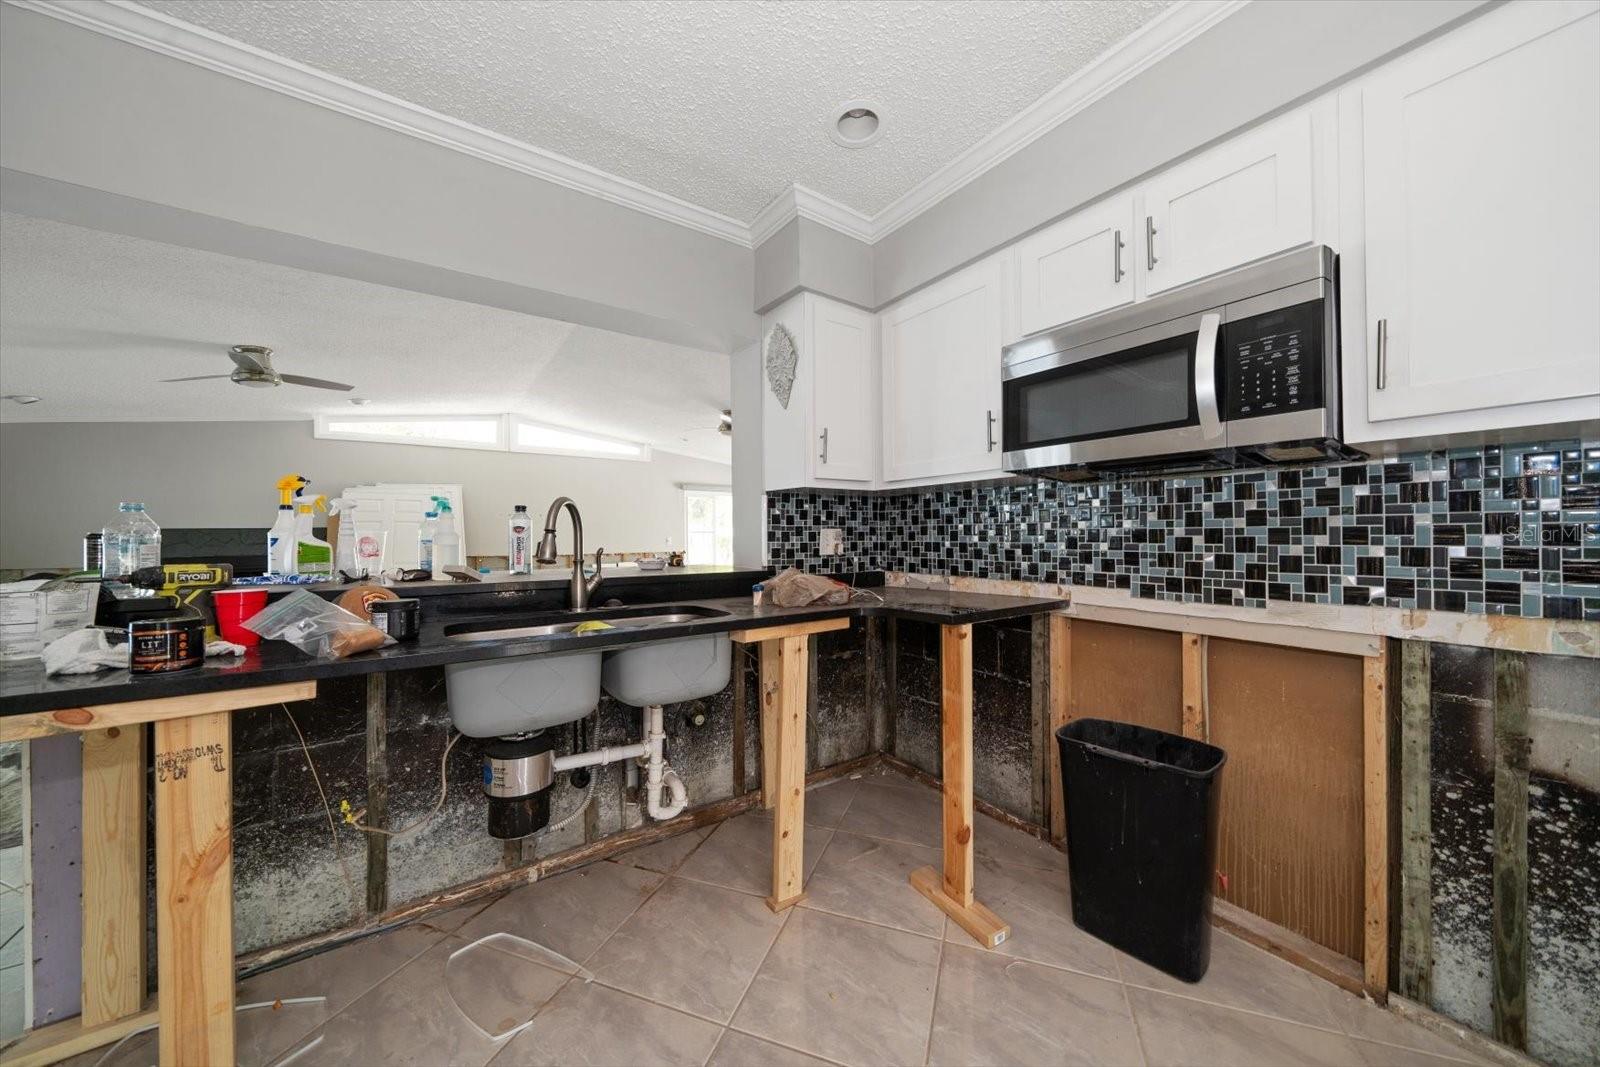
[{"x": 581, "y": 588}]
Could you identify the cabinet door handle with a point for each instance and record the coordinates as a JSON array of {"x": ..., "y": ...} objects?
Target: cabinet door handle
[
  {"x": 989, "y": 429},
  {"x": 824, "y": 444},
  {"x": 1383, "y": 353},
  {"x": 1116, "y": 257},
  {"x": 1150, "y": 242}
]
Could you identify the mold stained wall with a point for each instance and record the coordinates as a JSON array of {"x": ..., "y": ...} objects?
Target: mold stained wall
[{"x": 1563, "y": 848}]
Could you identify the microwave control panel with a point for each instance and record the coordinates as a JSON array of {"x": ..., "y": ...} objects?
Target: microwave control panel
[{"x": 1272, "y": 363}]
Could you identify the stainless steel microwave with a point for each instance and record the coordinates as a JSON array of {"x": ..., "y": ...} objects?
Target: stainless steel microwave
[{"x": 1241, "y": 370}]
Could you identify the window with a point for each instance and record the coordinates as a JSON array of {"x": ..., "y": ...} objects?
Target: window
[
  {"x": 493, "y": 433},
  {"x": 708, "y": 525},
  {"x": 446, "y": 431},
  {"x": 536, "y": 437}
]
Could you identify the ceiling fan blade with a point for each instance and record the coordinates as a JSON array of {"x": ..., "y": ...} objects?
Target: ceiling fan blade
[
  {"x": 315, "y": 383},
  {"x": 198, "y": 378},
  {"x": 246, "y": 359}
]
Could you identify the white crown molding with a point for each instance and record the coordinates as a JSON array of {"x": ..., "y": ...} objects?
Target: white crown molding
[
  {"x": 1135, "y": 53},
  {"x": 126, "y": 21},
  {"x": 778, "y": 213},
  {"x": 810, "y": 204},
  {"x": 136, "y": 25}
]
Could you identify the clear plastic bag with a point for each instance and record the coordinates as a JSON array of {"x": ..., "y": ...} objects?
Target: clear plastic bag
[{"x": 316, "y": 627}]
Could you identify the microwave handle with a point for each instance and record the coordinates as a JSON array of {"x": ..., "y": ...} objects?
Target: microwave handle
[{"x": 1205, "y": 374}]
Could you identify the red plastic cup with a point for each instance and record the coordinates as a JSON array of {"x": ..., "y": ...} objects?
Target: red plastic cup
[{"x": 233, "y": 607}]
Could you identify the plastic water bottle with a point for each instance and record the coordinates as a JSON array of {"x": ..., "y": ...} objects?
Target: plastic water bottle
[
  {"x": 134, "y": 541},
  {"x": 519, "y": 542},
  {"x": 430, "y": 520}
]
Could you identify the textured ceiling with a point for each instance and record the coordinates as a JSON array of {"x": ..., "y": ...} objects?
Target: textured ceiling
[
  {"x": 722, "y": 103},
  {"x": 91, "y": 322}
]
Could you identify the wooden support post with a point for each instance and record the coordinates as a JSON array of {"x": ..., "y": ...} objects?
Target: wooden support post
[
  {"x": 771, "y": 687},
  {"x": 1375, "y": 822},
  {"x": 1060, "y": 713},
  {"x": 1042, "y": 738},
  {"x": 881, "y": 729},
  {"x": 891, "y": 685},
  {"x": 740, "y": 707},
  {"x": 1194, "y": 687},
  {"x": 377, "y": 793},
  {"x": 113, "y": 874},
  {"x": 955, "y": 667},
  {"x": 953, "y": 892},
  {"x": 1415, "y": 980},
  {"x": 789, "y": 786},
  {"x": 1511, "y": 762},
  {"x": 194, "y": 889}
]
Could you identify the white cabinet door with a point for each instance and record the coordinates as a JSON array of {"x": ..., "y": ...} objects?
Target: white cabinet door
[
  {"x": 1081, "y": 265},
  {"x": 1247, "y": 198},
  {"x": 1482, "y": 167},
  {"x": 842, "y": 340},
  {"x": 941, "y": 377}
]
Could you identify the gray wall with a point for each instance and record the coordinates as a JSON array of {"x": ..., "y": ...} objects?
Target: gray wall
[
  {"x": 808, "y": 255},
  {"x": 1260, "y": 60},
  {"x": 111, "y": 118},
  {"x": 60, "y": 480},
  {"x": 749, "y": 502}
]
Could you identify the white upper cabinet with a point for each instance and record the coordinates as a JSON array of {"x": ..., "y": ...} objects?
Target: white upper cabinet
[
  {"x": 827, "y": 435},
  {"x": 1075, "y": 268},
  {"x": 1244, "y": 199},
  {"x": 941, "y": 377},
  {"x": 1481, "y": 159},
  {"x": 844, "y": 408}
]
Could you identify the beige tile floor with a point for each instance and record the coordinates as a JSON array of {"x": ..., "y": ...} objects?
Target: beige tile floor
[{"x": 682, "y": 963}]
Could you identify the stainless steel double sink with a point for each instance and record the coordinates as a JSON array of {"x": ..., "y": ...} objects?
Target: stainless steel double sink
[
  {"x": 520, "y": 694},
  {"x": 567, "y": 621}
]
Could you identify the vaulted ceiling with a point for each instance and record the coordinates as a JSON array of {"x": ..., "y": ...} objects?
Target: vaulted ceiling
[{"x": 93, "y": 321}]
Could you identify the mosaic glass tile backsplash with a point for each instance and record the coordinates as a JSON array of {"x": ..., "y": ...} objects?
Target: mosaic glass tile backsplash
[{"x": 1511, "y": 530}]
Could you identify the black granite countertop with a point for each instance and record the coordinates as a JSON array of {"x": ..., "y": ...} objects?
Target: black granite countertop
[{"x": 24, "y": 688}]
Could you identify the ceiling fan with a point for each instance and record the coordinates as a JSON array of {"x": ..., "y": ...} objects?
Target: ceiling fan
[{"x": 253, "y": 368}]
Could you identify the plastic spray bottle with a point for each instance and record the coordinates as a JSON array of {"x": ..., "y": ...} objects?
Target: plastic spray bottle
[
  {"x": 313, "y": 556},
  {"x": 519, "y": 543},
  {"x": 280, "y": 539},
  {"x": 446, "y": 542},
  {"x": 344, "y": 550},
  {"x": 430, "y": 519}
]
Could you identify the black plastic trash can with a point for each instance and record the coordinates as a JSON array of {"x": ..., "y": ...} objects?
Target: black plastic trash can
[{"x": 1142, "y": 840}]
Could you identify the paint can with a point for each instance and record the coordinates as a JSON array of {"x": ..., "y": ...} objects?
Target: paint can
[{"x": 162, "y": 646}]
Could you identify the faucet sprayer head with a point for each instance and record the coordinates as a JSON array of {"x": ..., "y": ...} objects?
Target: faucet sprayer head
[{"x": 546, "y": 552}]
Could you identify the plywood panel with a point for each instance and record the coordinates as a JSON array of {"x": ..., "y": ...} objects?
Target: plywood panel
[
  {"x": 1127, "y": 674},
  {"x": 1290, "y": 845}
]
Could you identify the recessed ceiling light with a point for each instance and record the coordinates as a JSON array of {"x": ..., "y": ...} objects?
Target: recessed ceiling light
[
  {"x": 857, "y": 124},
  {"x": 360, "y": 401},
  {"x": 21, "y": 398}
]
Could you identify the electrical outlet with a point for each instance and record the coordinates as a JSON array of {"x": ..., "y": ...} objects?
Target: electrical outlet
[{"x": 831, "y": 541}]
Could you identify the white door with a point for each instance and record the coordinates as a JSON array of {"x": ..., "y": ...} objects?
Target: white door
[
  {"x": 1482, "y": 157},
  {"x": 1081, "y": 265},
  {"x": 941, "y": 377},
  {"x": 1247, "y": 198},
  {"x": 842, "y": 340}
]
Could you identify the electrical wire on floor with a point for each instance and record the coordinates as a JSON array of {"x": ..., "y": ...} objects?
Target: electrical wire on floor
[{"x": 281, "y": 1002}]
